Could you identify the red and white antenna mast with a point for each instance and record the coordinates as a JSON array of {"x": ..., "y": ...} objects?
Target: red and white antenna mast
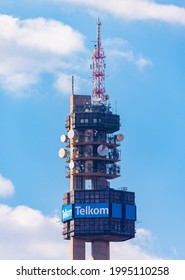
[{"x": 98, "y": 70}]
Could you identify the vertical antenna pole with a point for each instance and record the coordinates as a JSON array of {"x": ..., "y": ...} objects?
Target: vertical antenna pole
[
  {"x": 72, "y": 85},
  {"x": 98, "y": 35}
]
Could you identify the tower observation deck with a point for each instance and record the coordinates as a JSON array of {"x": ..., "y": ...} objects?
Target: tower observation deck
[{"x": 92, "y": 211}]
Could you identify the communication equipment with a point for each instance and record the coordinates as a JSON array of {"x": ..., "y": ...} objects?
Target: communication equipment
[
  {"x": 102, "y": 150},
  {"x": 71, "y": 134},
  {"x": 62, "y": 153},
  {"x": 63, "y": 138},
  {"x": 120, "y": 137},
  {"x": 72, "y": 165}
]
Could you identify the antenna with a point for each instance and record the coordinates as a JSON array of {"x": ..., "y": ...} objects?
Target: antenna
[
  {"x": 98, "y": 69},
  {"x": 72, "y": 85}
]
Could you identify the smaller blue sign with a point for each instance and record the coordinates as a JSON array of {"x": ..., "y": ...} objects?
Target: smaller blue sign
[
  {"x": 130, "y": 212},
  {"x": 67, "y": 213},
  {"x": 116, "y": 210}
]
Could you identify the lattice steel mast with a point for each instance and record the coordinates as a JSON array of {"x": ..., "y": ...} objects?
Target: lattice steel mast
[{"x": 98, "y": 70}]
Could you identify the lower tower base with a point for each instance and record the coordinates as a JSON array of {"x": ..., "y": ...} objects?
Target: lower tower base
[
  {"x": 77, "y": 249},
  {"x": 100, "y": 250}
]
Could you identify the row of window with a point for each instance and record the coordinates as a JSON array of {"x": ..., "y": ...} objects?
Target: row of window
[
  {"x": 91, "y": 151},
  {"x": 100, "y": 225},
  {"x": 99, "y": 196},
  {"x": 96, "y": 120},
  {"x": 109, "y": 169},
  {"x": 93, "y": 120}
]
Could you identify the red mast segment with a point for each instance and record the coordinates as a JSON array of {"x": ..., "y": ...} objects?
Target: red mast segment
[{"x": 98, "y": 70}]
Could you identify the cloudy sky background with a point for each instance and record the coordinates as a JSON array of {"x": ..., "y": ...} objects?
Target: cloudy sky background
[{"x": 42, "y": 44}]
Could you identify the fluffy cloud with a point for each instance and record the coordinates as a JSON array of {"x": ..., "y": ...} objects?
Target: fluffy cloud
[
  {"x": 28, "y": 234},
  {"x": 64, "y": 84},
  {"x": 29, "y": 48},
  {"x": 40, "y": 34},
  {"x": 140, "y": 61},
  {"x": 117, "y": 47},
  {"x": 135, "y": 9},
  {"x": 6, "y": 187},
  {"x": 136, "y": 249}
]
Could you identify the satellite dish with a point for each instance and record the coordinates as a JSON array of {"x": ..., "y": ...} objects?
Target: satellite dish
[
  {"x": 120, "y": 137},
  {"x": 102, "y": 150},
  {"x": 72, "y": 165},
  {"x": 63, "y": 138},
  {"x": 71, "y": 134},
  {"x": 62, "y": 153}
]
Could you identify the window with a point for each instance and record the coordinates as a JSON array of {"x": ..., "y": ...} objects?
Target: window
[{"x": 88, "y": 183}]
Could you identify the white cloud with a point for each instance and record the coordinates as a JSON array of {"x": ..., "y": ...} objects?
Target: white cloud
[
  {"x": 130, "y": 251},
  {"x": 135, "y": 249},
  {"x": 6, "y": 187},
  {"x": 41, "y": 34},
  {"x": 17, "y": 82},
  {"x": 115, "y": 42},
  {"x": 142, "y": 62},
  {"x": 118, "y": 47},
  {"x": 135, "y": 9},
  {"x": 29, "y": 48},
  {"x": 64, "y": 84},
  {"x": 144, "y": 234},
  {"x": 28, "y": 234}
]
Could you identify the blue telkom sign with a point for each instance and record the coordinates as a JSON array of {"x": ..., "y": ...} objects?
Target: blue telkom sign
[
  {"x": 98, "y": 210},
  {"x": 91, "y": 210},
  {"x": 67, "y": 213}
]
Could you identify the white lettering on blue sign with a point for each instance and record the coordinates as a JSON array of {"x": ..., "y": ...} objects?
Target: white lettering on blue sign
[
  {"x": 91, "y": 210},
  {"x": 67, "y": 213}
]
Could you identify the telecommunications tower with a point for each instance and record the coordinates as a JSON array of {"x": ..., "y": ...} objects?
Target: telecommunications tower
[{"x": 92, "y": 210}]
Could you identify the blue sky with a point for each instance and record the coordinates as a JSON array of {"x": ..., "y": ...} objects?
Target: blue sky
[{"x": 44, "y": 43}]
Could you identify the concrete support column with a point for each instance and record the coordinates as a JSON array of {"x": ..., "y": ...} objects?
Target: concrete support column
[
  {"x": 77, "y": 249},
  {"x": 100, "y": 250}
]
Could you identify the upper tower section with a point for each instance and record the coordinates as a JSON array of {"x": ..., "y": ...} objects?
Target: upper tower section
[{"x": 98, "y": 70}]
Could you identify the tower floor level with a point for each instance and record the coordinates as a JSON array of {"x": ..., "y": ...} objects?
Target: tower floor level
[{"x": 93, "y": 211}]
